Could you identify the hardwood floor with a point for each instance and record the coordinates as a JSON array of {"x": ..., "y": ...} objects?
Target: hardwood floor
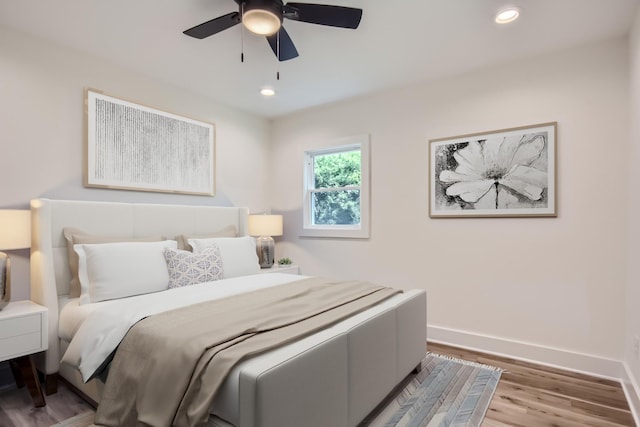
[
  {"x": 528, "y": 395},
  {"x": 17, "y": 410},
  {"x": 533, "y": 395}
]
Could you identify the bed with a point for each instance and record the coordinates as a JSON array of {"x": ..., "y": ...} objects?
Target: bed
[{"x": 334, "y": 377}]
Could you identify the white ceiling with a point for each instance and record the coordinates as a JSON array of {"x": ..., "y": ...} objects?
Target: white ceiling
[{"x": 397, "y": 43}]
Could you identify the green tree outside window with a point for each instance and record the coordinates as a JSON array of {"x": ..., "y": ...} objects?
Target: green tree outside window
[{"x": 336, "y": 199}]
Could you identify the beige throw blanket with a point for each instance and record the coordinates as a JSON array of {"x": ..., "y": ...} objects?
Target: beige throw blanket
[{"x": 169, "y": 366}]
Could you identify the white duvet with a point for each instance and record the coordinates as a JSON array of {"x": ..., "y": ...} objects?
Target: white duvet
[{"x": 95, "y": 330}]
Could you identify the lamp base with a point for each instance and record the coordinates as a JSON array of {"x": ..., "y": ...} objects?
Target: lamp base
[
  {"x": 5, "y": 280},
  {"x": 265, "y": 247}
]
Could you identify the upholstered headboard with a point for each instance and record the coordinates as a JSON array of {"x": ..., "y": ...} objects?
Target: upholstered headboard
[{"x": 50, "y": 274}]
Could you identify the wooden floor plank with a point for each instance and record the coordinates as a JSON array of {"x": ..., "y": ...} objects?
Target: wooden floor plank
[
  {"x": 552, "y": 400},
  {"x": 17, "y": 410},
  {"x": 606, "y": 397}
]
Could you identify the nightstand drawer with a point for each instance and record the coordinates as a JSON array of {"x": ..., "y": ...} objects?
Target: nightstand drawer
[
  {"x": 23, "y": 329},
  {"x": 19, "y": 326},
  {"x": 20, "y": 345}
]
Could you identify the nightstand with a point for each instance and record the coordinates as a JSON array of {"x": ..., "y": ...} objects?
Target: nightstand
[
  {"x": 287, "y": 269},
  {"x": 23, "y": 332}
]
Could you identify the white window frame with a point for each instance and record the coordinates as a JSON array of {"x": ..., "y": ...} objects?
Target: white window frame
[{"x": 357, "y": 231}]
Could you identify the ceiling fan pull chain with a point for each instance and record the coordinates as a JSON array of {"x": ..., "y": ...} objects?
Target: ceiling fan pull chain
[
  {"x": 278, "y": 57},
  {"x": 242, "y": 38}
]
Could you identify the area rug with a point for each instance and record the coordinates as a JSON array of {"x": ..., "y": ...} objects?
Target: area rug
[{"x": 447, "y": 392}]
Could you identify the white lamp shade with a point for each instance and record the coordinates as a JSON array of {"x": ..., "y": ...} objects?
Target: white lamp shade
[
  {"x": 265, "y": 225},
  {"x": 15, "y": 229}
]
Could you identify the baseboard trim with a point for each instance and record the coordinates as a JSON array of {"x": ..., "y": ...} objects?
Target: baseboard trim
[
  {"x": 528, "y": 352},
  {"x": 632, "y": 393}
]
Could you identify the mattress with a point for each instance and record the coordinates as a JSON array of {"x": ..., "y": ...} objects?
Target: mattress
[
  {"x": 73, "y": 314},
  {"x": 95, "y": 332}
]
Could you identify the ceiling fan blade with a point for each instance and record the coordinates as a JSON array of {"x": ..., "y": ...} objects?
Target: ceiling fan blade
[
  {"x": 214, "y": 26},
  {"x": 322, "y": 14},
  {"x": 287, "y": 48}
]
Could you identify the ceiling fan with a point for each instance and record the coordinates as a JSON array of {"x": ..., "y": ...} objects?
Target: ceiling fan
[{"x": 264, "y": 17}]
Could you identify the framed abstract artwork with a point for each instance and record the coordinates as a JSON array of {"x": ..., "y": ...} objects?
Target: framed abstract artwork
[
  {"x": 134, "y": 147},
  {"x": 504, "y": 173}
]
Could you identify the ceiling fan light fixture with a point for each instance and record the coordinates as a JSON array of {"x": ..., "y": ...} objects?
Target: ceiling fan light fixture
[
  {"x": 261, "y": 21},
  {"x": 505, "y": 16}
]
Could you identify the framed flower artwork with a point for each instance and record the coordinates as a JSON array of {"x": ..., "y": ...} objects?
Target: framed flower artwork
[{"x": 504, "y": 173}]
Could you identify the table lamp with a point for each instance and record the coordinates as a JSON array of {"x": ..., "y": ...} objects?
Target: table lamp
[
  {"x": 15, "y": 233},
  {"x": 265, "y": 226}
]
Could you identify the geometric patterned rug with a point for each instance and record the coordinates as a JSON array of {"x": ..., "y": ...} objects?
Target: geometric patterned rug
[{"x": 446, "y": 392}]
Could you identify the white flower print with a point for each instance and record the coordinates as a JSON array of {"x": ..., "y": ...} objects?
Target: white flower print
[{"x": 485, "y": 166}]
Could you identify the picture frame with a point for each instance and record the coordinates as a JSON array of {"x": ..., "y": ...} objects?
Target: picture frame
[
  {"x": 503, "y": 173},
  {"x": 135, "y": 147}
]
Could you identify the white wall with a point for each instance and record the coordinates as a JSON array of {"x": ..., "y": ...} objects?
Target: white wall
[
  {"x": 633, "y": 280},
  {"x": 552, "y": 282},
  {"x": 557, "y": 283},
  {"x": 42, "y": 139}
]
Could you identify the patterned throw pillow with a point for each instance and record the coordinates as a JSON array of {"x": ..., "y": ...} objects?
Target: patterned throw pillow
[{"x": 186, "y": 268}]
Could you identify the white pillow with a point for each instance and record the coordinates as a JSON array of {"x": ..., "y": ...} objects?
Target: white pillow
[
  {"x": 118, "y": 270},
  {"x": 238, "y": 254},
  {"x": 183, "y": 239}
]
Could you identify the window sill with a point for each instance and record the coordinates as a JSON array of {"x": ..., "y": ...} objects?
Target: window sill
[{"x": 338, "y": 233}]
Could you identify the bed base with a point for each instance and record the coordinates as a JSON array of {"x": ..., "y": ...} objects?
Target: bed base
[{"x": 341, "y": 380}]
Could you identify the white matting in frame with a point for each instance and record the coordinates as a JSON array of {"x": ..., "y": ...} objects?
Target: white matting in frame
[
  {"x": 505, "y": 173},
  {"x": 134, "y": 147}
]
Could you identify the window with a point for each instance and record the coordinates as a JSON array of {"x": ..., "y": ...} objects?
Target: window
[{"x": 336, "y": 190}]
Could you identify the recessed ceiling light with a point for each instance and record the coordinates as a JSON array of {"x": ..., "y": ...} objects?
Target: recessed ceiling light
[
  {"x": 507, "y": 15},
  {"x": 267, "y": 91}
]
